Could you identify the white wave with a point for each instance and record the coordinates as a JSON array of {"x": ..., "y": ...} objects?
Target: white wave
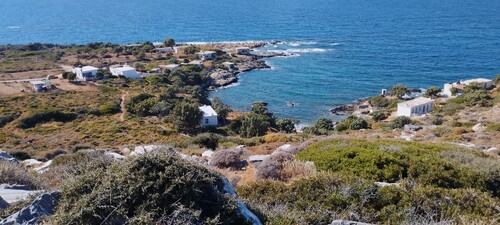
[
  {"x": 301, "y": 50},
  {"x": 13, "y": 27},
  {"x": 335, "y": 44},
  {"x": 299, "y": 43},
  {"x": 223, "y": 42}
]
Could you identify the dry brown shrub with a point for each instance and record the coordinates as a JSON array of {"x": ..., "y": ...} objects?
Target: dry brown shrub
[
  {"x": 226, "y": 158},
  {"x": 11, "y": 173},
  {"x": 298, "y": 169}
]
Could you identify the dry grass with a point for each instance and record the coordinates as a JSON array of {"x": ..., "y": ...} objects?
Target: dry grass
[{"x": 295, "y": 169}]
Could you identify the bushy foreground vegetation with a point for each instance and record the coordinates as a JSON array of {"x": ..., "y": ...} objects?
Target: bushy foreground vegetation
[
  {"x": 157, "y": 188},
  {"x": 431, "y": 183}
]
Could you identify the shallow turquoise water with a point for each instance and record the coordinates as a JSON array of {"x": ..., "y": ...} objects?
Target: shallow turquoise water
[{"x": 348, "y": 48}]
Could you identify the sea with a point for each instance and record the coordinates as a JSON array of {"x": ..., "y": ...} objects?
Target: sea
[{"x": 344, "y": 49}]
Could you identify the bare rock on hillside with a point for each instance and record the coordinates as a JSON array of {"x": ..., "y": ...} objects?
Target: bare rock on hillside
[
  {"x": 222, "y": 78},
  {"x": 44, "y": 205}
]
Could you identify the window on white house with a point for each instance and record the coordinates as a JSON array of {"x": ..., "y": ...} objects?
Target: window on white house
[{"x": 206, "y": 121}]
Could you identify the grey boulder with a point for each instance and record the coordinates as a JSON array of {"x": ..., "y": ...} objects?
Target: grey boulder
[{"x": 43, "y": 205}]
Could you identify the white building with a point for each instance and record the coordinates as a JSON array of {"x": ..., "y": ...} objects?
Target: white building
[
  {"x": 459, "y": 86},
  {"x": 483, "y": 82},
  {"x": 179, "y": 49},
  {"x": 170, "y": 67},
  {"x": 197, "y": 63},
  {"x": 209, "y": 116},
  {"x": 229, "y": 65},
  {"x": 163, "y": 50},
  {"x": 38, "y": 85},
  {"x": 243, "y": 51},
  {"x": 415, "y": 107},
  {"x": 207, "y": 55},
  {"x": 125, "y": 70},
  {"x": 85, "y": 73}
]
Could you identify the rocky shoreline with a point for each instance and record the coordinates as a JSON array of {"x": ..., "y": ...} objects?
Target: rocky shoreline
[{"x": 224, "y": 77}]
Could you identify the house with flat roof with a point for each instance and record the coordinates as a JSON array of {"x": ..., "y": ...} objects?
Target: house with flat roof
[
  {"x": 243, "y": 51},
  {"x": 229, "y": 65},
  {"x": 163, "y": 50},
  {"x": 179, "y": 49},
  {"x": 207, "y": 55},
  {"x": 170, "y": 67},
  {"x": 85, "y": 73},
  {"x": 38, "y": 85},
  {"x": 125, "y": 71},
  {"x": 197, "y": 63},
  {"x": 415, "y": 107},
  {"x": 210, "y": 117},
  {"x": 458, "y": 87}
]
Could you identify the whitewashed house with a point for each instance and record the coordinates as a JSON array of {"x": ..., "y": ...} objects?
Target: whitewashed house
[
  {"x": 197, "y": 63},
  {"x": 85, "y": 73},
  {"x": 415, "y": 107},
  {"x": 210, "y": 117},
  {"x": 179, "y": 49},
  {"x": 483, "y": 82},
  {"x": 170, "y": 67},
  {"x": 229, "y": 65},
  {"x": 38, "y": 85},
  {"x": 125, "y": 70},
  {"x": 163, "y": 50},
  {"x": 243, "y": 51},
  {"x": 459, "y": 86},
  {"x": 207, "y": 55}
]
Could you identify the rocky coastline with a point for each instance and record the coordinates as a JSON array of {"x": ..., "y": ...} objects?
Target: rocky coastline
[{"x": 224, "y": 77}]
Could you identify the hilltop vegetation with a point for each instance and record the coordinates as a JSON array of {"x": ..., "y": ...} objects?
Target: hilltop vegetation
[{"x": 435, "y": 183}]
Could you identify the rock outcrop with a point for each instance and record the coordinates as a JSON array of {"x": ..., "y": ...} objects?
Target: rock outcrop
[
  {"x": 7, "y": 157},
  {"x": 43, "y": 205},
  {"x": 221, "y": 78},
  {"x": 3, "y": 203}
]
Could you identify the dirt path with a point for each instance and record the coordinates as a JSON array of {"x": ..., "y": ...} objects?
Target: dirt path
[{"x": 122, "y": 106}]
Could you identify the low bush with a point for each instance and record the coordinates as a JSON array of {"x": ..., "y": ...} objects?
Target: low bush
[
  {"x": 51, "y": 114},
  {"x": 400, "y": 122},
  {"x": 156, "y": 188},
  {"x": 226, "y": 158},
  {"x": 7, "y": 118},
  {"x": 207, "y": 140},
  {"x": 379, "y": 116},
  {"x": 379, "y": 101},
  {"x": 52, "y": 154},
  {"x": 12, "y": 173},
  {"x": 110, "y": 108}
]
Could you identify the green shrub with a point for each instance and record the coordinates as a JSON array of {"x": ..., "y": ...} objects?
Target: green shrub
[
  {"x": 323, "y": 126},
  {"x": 379, "y": 101},
  {"x": 47, "y": 115},
  {"x": 341, "y": 127},
  {"x": 400, "y": 122},
  {"x": 7, "y": 118},
  {"x": 21, "y": 155},
  {"x": 254, "y": 125},
  {"x": 110, "y": 108},
  {"x": 493, "y": 127},
  {"x": 355, "y": 123},
  {"x": 207, "y": 140},
  {"x": 286, "y": 125},
  {"x": 379, "y": 116},
  {"x": 151, "y": 189}
]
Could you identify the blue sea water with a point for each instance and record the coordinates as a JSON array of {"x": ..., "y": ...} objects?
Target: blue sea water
[{"x": 348, "y": 48}]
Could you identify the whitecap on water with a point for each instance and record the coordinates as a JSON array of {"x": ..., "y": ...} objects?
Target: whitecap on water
[{"x": 13, "y": 27}]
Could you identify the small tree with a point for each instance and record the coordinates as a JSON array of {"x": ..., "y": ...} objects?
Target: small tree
[
  {"x": 139, "y": 66},
  {"x": 186, "y": 117},
  {"x": 323, "y": 126},
  {"x": 400, "y": 122},
  {"x": 432, "y": 91},
  {"x": 71, "y": 76},
  {"x": 379, "y": 116},
  {"x": 399, "y": 90},
  {"x": 472, "y": 87},
  {"x": 221, "y": 109},
  {"x": 191, "y": 50},
  {"x": 141, "y": 55},
  {"x": 169, "y": 42},
  {"x": 286, "y": 125},
  {"x": 477, "y": 98},
  {"x": 254, "y": 125}
]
